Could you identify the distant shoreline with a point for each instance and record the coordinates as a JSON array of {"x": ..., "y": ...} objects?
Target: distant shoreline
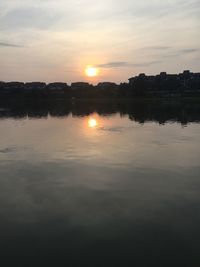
[{"x": 163, "y": 85}]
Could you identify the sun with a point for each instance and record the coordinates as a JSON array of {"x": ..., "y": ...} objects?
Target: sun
[
  {"x": 91, "y": 71},
  {"x": 92, "y": 123}
]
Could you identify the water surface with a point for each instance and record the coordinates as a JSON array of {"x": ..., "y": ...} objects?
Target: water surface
[{"x": 121, "y": 191}]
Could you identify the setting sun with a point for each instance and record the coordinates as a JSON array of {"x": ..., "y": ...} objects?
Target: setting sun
[
  {"x": 92, "y": 123},
  {"x": 91, "y": 71}
]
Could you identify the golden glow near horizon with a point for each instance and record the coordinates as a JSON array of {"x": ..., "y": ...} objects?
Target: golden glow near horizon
[
  {"x": 91, "y": 71},
  {"x": 92, "y": 123}
]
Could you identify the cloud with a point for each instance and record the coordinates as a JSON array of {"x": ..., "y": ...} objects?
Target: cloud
[
  {"x": 2, "y": 44},
  {"x": 121, "y": 64},
  {"x": 181, "y": 52},
  {"x": 116, "y": 64},
  {"x": 157, "y": 47},
  {"x": 28, "y": 17},
  {"x": 189, "y": 50},
  {"x": 146, "y": 64}
]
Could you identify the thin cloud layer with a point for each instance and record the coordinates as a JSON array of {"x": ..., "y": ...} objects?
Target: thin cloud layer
[
  {"x": 122, "y": 38},
  {"x": 119, "y": 64},
  {"x": 9, "y": 45}
]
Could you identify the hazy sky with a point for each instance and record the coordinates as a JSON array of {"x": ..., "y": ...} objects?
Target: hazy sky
[{"x": 53, "y": 40}]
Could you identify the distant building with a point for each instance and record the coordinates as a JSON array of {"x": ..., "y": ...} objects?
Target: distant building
[
  {"x": 79, "y": 85},
  {"x": 106, "y": 85},
  {"x": 35, "y": 85},
  {"x": 57, "y": 86}
]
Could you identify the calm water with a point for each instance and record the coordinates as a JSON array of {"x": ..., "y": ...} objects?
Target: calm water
[{"x": 82, "y": 189}]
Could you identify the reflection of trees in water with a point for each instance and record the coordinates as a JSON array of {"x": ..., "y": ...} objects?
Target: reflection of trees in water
[{"x": 140, "y": 111}]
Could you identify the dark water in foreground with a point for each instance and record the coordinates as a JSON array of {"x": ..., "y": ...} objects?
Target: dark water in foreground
[{"x": 91, "y": 188}]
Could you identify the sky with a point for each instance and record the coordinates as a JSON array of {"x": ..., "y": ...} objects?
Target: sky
[{"x": 52, "y": 40}]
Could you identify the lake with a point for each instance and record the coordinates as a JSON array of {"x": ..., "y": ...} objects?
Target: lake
[{"x": 100, "y": 184}]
